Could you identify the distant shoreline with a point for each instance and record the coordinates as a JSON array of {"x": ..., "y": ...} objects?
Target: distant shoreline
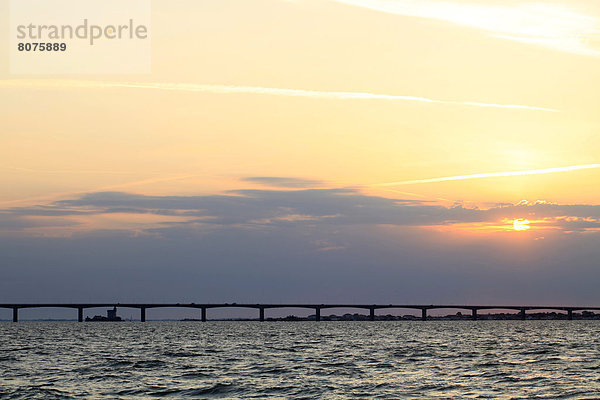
[{"x": 552, "y": 316}]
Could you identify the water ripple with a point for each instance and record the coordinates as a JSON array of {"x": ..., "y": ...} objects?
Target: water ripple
[{"x": 279, "y": 360}]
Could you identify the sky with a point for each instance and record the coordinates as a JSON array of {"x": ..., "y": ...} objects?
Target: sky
[{"x": 380, "y": 151}]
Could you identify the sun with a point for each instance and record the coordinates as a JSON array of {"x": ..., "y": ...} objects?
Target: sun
[{"x": 521, "y": 224}]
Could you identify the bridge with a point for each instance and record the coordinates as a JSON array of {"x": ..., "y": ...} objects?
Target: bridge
[{"x": 317, "y": 307}]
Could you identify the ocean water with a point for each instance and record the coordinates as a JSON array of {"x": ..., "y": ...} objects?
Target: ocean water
[{"x": 301, "y": 360}]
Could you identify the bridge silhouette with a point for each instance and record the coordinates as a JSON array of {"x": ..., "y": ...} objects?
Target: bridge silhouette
[{"x": 317, "y": 307}]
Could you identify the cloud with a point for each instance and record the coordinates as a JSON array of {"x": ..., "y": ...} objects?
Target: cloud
[
  {"x": 285, "y": 182},
  {"x": 265, "y": 209},
  {"x": 492, "y": 175},
  {"x": 548, "y": 25},
  {"x": 297, "y": 263},
  {"x": 308, "y": 245},
  {"x": 331, "y": 206},
  {"x": 32, "y": 219},
  {"x": 226, "y": 89}
]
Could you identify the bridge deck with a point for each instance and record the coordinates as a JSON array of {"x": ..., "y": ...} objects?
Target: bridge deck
[
  {"x": 263, "y": 306},
  {"x": 294, "y": 305}
]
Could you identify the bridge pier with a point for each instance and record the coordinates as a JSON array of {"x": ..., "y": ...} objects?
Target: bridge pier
[
  {"x": 203, "y": 314},
  {"x": 143, "y": 314},
  {"x": 522, "y": 314},
  {"x": 372, "y": 314},
  {"x": 262, "y": 314},
  {"x": 474, "y": 314},
  {"x": 423, "y": 314},
  {"x": 15, "y": 314},
  {"x": 79, "y": 314},
  {"x": 317, "y": 313},
  {"x": 570, "y": 315}
]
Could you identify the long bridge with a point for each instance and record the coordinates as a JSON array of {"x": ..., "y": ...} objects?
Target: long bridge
[{"x": 317, "y": 307}]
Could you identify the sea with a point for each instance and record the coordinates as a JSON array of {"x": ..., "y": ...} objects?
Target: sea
[{"x": 301, "y": 360}]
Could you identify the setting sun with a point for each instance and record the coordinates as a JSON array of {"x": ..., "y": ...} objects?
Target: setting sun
[{"x": 521, "y": 224}]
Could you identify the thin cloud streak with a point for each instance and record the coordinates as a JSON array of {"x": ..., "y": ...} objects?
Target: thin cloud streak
[
  {"x": 68, "y": 171},
  {"x": 547, "y": 25},
  {"x": 491, "y": 175},
  {"x": 226, "y": 89}
]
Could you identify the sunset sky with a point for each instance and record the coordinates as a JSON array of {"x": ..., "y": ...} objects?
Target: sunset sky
[{"x": 415, "y": 151}]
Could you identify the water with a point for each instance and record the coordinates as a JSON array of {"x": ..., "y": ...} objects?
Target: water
[{"x": 301, "y": 360}]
